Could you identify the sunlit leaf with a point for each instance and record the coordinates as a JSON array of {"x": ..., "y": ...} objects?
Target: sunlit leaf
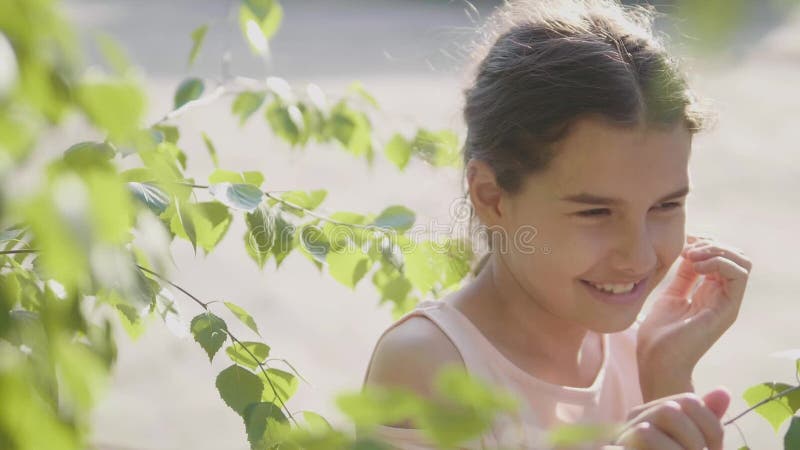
[
  {"x": 282, "y": 383},
  {"x": 248, "y": 354},
  {"x": 348, "y": 266},
  {"x": 243, "y": 316},
  {"x": 776, "y": 411}
]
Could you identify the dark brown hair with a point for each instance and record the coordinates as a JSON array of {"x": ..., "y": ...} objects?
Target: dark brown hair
[{"x": 545, "y": 64}]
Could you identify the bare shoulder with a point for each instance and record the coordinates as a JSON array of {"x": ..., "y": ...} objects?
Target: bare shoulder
[{"x": 410, "y": 354}]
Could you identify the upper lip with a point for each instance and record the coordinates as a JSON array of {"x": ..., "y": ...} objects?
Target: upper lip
[{"x": 619, "y": 282}]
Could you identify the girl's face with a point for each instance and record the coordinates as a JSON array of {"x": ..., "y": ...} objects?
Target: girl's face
[{"x": 609, "y": 209}]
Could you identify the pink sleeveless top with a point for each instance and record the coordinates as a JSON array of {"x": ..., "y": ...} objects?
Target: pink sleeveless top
[{"x": 613, "y": 393}]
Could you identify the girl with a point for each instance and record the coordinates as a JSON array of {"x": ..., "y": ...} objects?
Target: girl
[{"x": 579, "y": 130}]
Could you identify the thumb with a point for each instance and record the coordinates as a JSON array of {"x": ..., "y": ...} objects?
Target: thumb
[{"x": 718, "y": 401}]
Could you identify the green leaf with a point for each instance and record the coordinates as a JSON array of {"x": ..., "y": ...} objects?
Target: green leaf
[
  {"x": 246, "y": 104},
  {"x": 398, "y": 218},
  {"x": 210, "y": 332},
  {"x": 350, "y": 128},
  {"x": 306, "y": 200},
  {"x": 87, "y": 153},
  {"x": 260, "y": 236},
  {"x": 776, "y": 411},
  {"x": 280, "y": 121},
  {"x": 171, "y": 133},
  {"x": 243, "y": 353},
  {"x": 374, "y": 405},
  {"x": 572, "y": 435},
  {"x": 348, "y": 266},
  {"x": 114, "y": 106},
  {"x": 313, "y": 242},
  {"x": 280, "y": 382},
  {"x": 316, "y": 422},
  {"x": 243, "y": 316},
  {"x": 212, "y": 151},
  {"x": 150, "y": 195},
  {"x": 265, "y": 425},
  {"x": 398, "y": 151},
  {"x": 240, "y": 196},
  {"x": 198, "y": 35},
  {"x": 438, "y": 148},
  {"x": 190, "y": 89},
  {"x": 185, "y": 219},
  {"x": 239, "y": 388},
  {"x": 791, "y": 440},
  {"x": 211, "y": 220}
]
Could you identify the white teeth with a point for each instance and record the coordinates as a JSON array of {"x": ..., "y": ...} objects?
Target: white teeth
[{"x": 615, "y": 288}]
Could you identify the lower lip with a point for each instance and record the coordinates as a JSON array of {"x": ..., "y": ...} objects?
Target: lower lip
[{"x": 618, "y": 299}]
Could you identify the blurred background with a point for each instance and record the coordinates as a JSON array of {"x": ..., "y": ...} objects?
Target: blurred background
[{"x": 411, "y": 56}]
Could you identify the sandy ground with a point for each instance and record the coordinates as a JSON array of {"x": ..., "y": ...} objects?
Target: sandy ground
[{"x": 744, "y": 172}]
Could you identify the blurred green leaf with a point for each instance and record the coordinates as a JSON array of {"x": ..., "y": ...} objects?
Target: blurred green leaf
[
  {"x": 791, "y": 440},
  {"x": 198, "y": 35},
  {"x": 357, "y": 87},
  {"x": 259, "y": 20},
  {"x": 114, "y": 106},
  {"x": 212, "y": 151},
  {"x": 398, "y": 151},
  {"x": 247, "y": 103},
  {"x": 189, "y": 89}
]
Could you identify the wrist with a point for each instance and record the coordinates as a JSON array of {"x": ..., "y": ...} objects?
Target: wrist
[{"x": 656, "y": 381}]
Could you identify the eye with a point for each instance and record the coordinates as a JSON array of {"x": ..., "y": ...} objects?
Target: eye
[
  {"x": 594, "y": 212},
  {"x": 670, "y": 205}
]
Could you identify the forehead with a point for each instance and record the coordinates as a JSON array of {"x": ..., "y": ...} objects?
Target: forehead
[{"x": 599, "y": 158}]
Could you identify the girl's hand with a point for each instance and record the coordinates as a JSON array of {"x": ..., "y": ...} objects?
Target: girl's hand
[
  {"x": 679, "y": 329},
  {"x": 677, "y": 422}
]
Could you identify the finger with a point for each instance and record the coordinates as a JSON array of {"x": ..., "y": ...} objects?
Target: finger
[
  {"x": 685, "y": 279},
  {"x": 718, "y": 401},
  {"x": 703, "y": 252},
  {"x": 704, "y": 413},
  {"x": 645, "y": 436},
  {"x": 670, "y": 418},
  {"x": 719, "y": 264}
]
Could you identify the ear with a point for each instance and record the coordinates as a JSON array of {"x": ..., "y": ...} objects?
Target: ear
[{"x": 484, "y": 192}]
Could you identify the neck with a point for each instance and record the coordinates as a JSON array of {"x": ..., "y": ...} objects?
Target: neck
[{"x": 518, "y": 321}]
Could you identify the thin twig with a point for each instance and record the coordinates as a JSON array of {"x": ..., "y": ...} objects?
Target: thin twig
[
  {"x": 204, "y": 305},
  {"x": 13, "y": 252},
  {"x": 162, "y": 278},
  {"x": 766, "y": 400}
]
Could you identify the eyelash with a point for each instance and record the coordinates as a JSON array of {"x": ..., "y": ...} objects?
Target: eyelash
[{"x": 590, "y": 212}]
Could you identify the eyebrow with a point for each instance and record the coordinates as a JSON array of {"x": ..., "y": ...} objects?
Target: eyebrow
[{"x": 591, "y": 199}]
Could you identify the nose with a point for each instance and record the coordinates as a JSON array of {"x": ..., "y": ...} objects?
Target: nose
[{"x": 635, "y": 254}]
